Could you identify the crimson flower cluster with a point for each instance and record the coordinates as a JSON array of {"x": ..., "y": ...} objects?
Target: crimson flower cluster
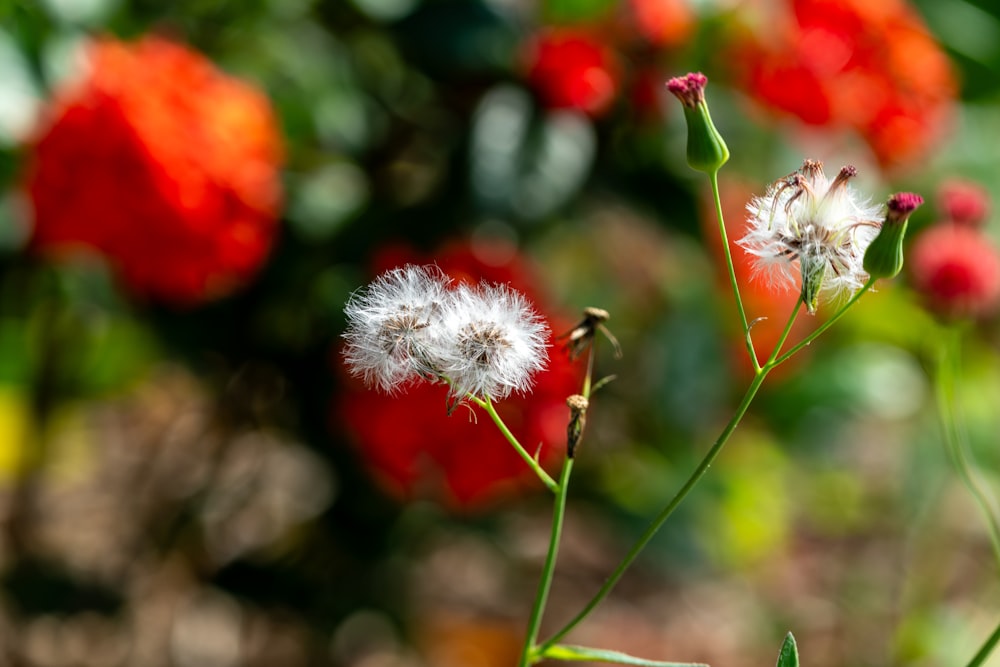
[
  {"x": 163, "y": 165},
  {"x": 868, "y": 66}
]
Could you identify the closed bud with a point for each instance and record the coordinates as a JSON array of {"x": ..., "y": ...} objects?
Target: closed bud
[
  {"x": 884, "y": 257},
  {"x": 813, "y": 274},
  {"x": 706, "y": 149},
  {"x": 577, "y": 422}
]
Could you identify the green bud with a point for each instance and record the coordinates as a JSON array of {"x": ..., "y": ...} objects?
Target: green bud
[
  {"x": 706, "y": 149},
  {"x": 813, "y": 273},
  {"x": 884, "y": 256}
]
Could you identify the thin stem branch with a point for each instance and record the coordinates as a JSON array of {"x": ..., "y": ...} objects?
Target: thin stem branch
[
  {"x": 955, "y": 437},
  {"x": 693, "y": 480},
  {"x": 588, "y": 376},
  {"x": 986, "y": 650},
  {"x": 528, "y": 653},
  {"x": 487, "y": 404},
  {"x": 773, "y": 360},
  {"x": 826, "y": 325},
  {"x": 714, "y": 178},
  {"x": 657, "y": 522}
]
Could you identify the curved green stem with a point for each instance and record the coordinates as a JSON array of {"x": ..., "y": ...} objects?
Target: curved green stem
[
  {"x": 984, "y": 652},
  {"x": 826, "y": 325},
  {"x": 955, "y": 437},
  {"x": 693, "y": 480},
  {"x": 774, "y": 360},
  {"x": 487, "y": 404},
  {"x": 657, "y": 522},
  {"x": 529, "y": 654},
  {"x": 714, "y": 178}
]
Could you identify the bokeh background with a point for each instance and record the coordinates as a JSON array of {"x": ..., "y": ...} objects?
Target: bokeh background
[{"x": 190, "y": 191}]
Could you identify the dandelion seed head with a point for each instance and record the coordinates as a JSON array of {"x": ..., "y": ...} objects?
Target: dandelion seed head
[
  {"x": 483, "y": 343},
  {"x": 391, "y": 328},
  {"x": 812, "y": 231},
  {"x": 492, "y": 342}
]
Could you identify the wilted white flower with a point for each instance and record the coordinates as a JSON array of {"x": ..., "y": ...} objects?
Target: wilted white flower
[
  {"x": 813, "y": 230},
  {"x": 392, "y": 325},
  {"x": 492, "y": 341}
]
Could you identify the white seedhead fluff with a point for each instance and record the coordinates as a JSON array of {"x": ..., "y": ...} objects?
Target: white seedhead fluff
[
  {"x": 392, "y": 326},
  {"x": 492, "y": 342},
  {"x": 807, "y": 229}
]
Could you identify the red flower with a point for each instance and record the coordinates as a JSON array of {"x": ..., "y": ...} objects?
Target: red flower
[
  {"x": 663, "y": 22},
  {"x": 646, "y": 93},
  {"x": 868, "y": 66},
  {"x": 162, "y": 164},
  {"x": 957, "y": 270},
  {"x": 416, "y": 450},
  {"x": 570, "y": 68},
  {"x": 965, "y": 202}
]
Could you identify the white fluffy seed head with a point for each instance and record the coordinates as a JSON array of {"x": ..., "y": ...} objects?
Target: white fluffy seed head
[
  {"x": 809, "y": 230},
  {"x": 492, "y": 342},
  {"x": 392, "y": 325}
]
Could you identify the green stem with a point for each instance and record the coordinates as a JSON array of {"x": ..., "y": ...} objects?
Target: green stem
[
  {"x": 528, "y": 653},
  {"x": 984, "y": 652},
  {"x": 487, "y": 404},
  {"x": 693, "y": 480},
  {"x": 650, "y": 531},
  {"x": 714, "y": 178},
  {"x": 774, "y": 360},
  {"x": 826, "y": 325},
  {"x": 955, "y": 438}
]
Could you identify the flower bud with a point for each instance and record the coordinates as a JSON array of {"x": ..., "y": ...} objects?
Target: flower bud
[
  {"x": 813, "y": 273},
  {"x": 577, "y": 421},
  {"x": 706, "y": 149},
  {"x": 884, "y": 257}
]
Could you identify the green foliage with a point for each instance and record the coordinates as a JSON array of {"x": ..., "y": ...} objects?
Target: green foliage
[
  {"x": 788, "y": 656},
  {"x": 583, "y": 653}
]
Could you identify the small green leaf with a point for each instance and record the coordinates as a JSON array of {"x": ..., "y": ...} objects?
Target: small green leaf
[
  {"x": 789, "y": 654},
  {"x": 584, "y": 653}
]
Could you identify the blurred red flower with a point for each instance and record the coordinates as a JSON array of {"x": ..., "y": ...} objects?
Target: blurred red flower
[
  {"x": 954, "y": 265},
  {"x": 964, "y": 202},
  {"x": 869, "y": 66},
  {"x": 164, "y": 165},
  {"x": 415, "y": 449},
  {"x": 956, "y": 269},
  {"x": 571, "y": 68},
  {"x": 663, "y": 22}
]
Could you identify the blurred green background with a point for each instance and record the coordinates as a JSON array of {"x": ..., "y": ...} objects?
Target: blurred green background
[{"x": 176, "y": 484}]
